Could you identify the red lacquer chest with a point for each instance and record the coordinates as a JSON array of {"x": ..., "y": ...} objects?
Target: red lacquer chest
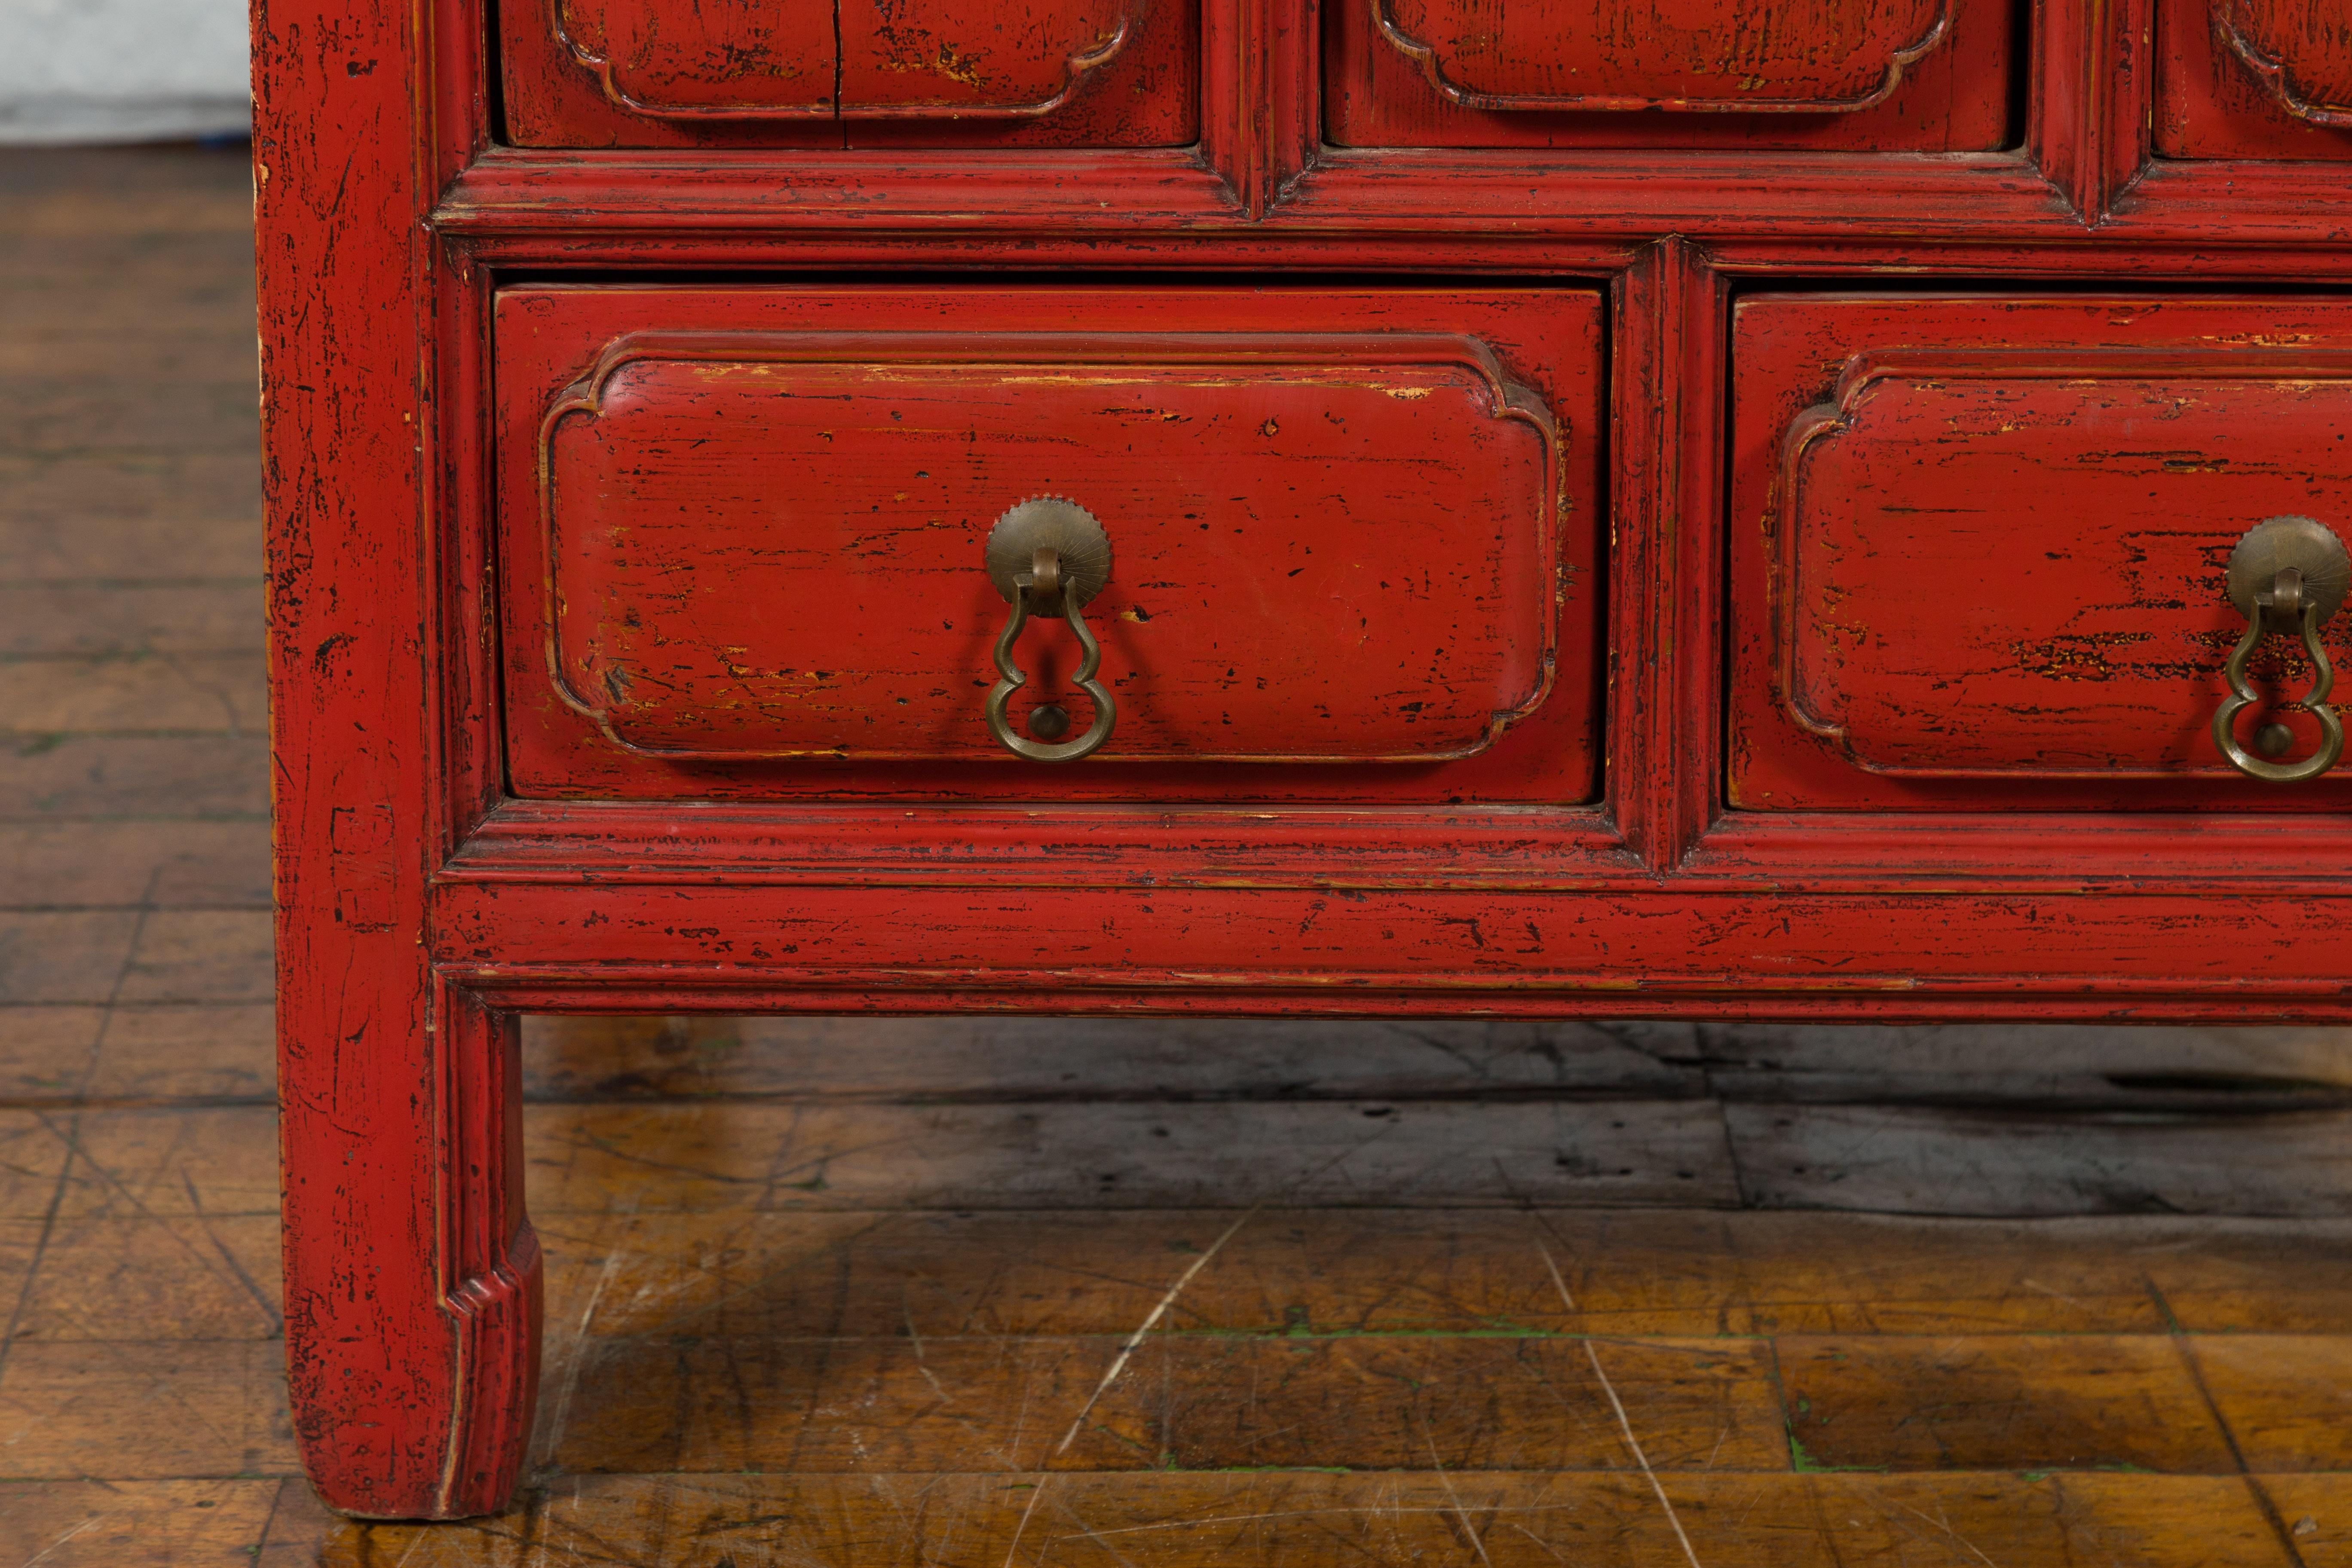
[{"x": 1693, "y": 508}]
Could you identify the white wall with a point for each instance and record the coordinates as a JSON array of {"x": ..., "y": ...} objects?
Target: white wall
[{"x": 122, "y": 71}]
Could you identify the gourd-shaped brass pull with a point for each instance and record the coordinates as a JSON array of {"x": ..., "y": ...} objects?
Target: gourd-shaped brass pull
[
  {"x": 1048, "y": 556},
  {"x": 2287, "y": 575}
]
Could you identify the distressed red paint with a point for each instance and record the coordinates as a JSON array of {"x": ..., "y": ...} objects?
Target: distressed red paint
[
  {"x": 763, "y": 545},
  {"x": 1971, "y": 575},
  {"x": 2255, "y": 78},
  {"x": 452, "y": 849},
  {"x": 585, "y": 73},
  {"x": 1878, "y": 75}
]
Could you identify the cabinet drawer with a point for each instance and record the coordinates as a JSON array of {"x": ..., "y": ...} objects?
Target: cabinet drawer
[
  {"x": 835, "y": 73},
  {"x": 1855, "y": 75},
  {"x": 1351, "y": 535},
  {"x": 2253, "y": 78},
  {"x": 1970, "y": 577}
]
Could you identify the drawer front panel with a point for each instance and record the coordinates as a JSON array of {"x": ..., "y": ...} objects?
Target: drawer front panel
[
  {"x": 850, "y": 72},
  {"x": 1325, "y": 547},
  {"x": 2255, "y": 78},
  {"x": 1996, "y": 577},
  {"x": 1920, "y": 74},
  {"x": 762, "y": 549}
]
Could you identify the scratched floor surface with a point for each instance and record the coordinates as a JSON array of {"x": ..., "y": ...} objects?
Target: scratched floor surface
[{"x": 1014, "y": 1293}]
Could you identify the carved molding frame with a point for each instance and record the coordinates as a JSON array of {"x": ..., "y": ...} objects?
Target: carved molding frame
[{"x": 1426, "y": 56}]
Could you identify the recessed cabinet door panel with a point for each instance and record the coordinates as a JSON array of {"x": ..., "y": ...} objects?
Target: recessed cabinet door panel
[
  {"x": 657, "y": 59},
  {"x": 848, "y": 72},
  {"x": 1724, "y": 55},
  {"x": 761, "y": 547},
  {"x": 1995, "y": 577},
  {"x": 1926, "y": 75},
  {"x": 2255, "y": 78}
]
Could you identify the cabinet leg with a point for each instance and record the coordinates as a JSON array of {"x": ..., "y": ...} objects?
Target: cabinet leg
[{"x": 412, "y": 1279}]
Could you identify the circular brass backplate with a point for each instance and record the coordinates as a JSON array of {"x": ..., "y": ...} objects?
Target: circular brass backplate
[
  {"x": 2276, "y": 543},
  {"x": 1049, "y": 522}
]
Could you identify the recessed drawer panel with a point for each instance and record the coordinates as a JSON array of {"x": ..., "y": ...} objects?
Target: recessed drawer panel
[
  {"x": 1970, "y": 577},
  {"x": 1338, "y": 538},
  {"x": 850, "y": 72},
  {"x": 2255, "y": 78},
  {"x": 1918, "y": 75}
]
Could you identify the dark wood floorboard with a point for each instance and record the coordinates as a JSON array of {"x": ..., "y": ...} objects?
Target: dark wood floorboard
[{"x": 1002, "y": 1291}]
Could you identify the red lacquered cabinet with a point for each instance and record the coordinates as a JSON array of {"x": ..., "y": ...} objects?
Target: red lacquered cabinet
[{"x": 1685, "y": 508}]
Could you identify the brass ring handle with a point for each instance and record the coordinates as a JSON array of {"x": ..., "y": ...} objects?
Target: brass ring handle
[
  {"x": 2288, "y": 575},
  {"x": 1048, "y": 556}
]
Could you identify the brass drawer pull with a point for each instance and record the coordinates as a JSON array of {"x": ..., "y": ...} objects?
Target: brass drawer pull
[
  {"x": 1051, "y": 556},
  {"x": 2287, "y": 575}
]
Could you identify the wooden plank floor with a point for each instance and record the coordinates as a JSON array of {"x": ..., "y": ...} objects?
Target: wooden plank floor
[{"x": 1004, "y": 1292}]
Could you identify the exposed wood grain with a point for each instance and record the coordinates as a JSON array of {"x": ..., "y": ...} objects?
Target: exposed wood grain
[
  {"x": 2074, "y": 1068},
  {"x": 803, "y": 1274},
  {"x": 1915, "y": 1161},
  {"x": 67, "y": 419},
  {"x": 761, "y": 1155},
  {"x": 207, "y": 1278},
  {"x": 164, "y": 1052},
  {"x": 33, "y": 1167},
  {"x": 164, "y": 1163},
  {"x": 206, "y": 693},
  {"x": 85, "y": 776},
  {"x": 200, "y": 955},
  {"x": 2287, "y": 1398},
  {"x": 148, "y": 516},
  {"x": 168, "y": 1523},
  {"x": 165, "y": 864},
  {"x": 183, "y": 356},
  {"x": 1507, "y": 1521},
  {"x": 677, "y": 1403},
  {"x": 47, "y": 1052},
  {"x": 73, "y": 195},
  {"x": 154, "y": 268},
  {"x": 935, "y": 1059},
  {"x": 2317, "y": 1513},
  {"x": 2012, "y": 1402},
  {"x": 2250, "y": 1277},
  {"x": 1278, "y": 1271},
  {"x": 201, "y": 617},
  {"x": 2047, "y": 1065},
  {"x": 159, "y": 318},
  {"x": 145, "y": 1411},
  {"x": 73, "y": 955}
]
